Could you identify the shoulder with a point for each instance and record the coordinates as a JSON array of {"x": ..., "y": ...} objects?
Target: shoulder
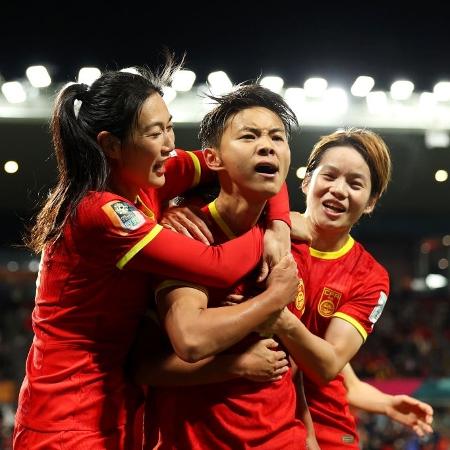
[{"x": 369, "y": 271}]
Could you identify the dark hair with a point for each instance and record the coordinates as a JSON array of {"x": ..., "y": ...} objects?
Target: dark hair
[
  {"x": 371, "y": 147},
  {"x": 228, "y": 105},
  {"x": 113, "y": 103}
]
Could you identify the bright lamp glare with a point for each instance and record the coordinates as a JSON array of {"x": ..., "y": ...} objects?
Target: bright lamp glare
[
  {"x": 402, "y": 89},
  {"x": 88, "y": 75},
  {"x": 335, "y": 100},
  {"x": 301, "y": 172},
  {"x": 362, "y": 86},
  {"x": 275, "y": 84},
  {"x": 132, "y": 70},
  {"x": 14, "y": 92},
  {"x": 38, "y": 76},
  {"x": 315, "y": 87},
  {"x": 435, "y": 281},
  {"x": 169, "y": 94},
  {"x": 183, "y": 80},
  {"x": 219, "y": 83},
  {"x": 11, "y": 167},
  {"x": 377, "y": 102},
  {"x": 441, "y": 175},
  {"x": 442, "y": 91}
]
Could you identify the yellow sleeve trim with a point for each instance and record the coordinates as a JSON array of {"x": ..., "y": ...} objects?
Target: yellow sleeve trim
[
  {"x": 177, "y": 283},
  {"x": 333, "y": 255},
  {"x": 138, "y": 247},
  {"x": 353, "y": 322},
  {"x": 197, "y": 167},
  {"x": 218, "y": 219}
]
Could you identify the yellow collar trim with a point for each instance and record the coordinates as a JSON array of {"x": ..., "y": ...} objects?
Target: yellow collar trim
[
  {"x": 333, "y": 255},
  {"x": 219, "y": 220}
]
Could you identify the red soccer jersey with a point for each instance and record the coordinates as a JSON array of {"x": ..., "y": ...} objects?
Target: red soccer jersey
[
  {"x": 236, "y": 414},
  {"x": 93, "y": 288},
  {"x": 351, "y": 285}
]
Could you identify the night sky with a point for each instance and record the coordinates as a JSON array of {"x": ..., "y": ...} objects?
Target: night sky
[{"x": 292, "y": 39}]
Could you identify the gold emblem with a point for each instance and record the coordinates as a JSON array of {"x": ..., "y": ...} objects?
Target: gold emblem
[
  {"x": 328, "y": 302},
  {"x": 300, "y": 299}
]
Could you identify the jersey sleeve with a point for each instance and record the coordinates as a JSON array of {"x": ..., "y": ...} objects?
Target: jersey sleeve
[
  {"x": 302, "y": 256},
  {"x": 114, "y": 231},
  {"x": 369, "y": 294},
  {"x": 278, "y": 207},
  {"x": 184, "y": 170}
]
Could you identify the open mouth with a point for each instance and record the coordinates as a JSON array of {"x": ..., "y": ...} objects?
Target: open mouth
[
  {"x": 266, "y": 168},
  {"x": 335, "y": 207}
]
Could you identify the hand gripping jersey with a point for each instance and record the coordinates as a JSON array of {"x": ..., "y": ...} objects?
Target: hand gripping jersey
[
  {"x": 92, "y": 289},
  {"x": 235, "y": 414},
  {"x": 351, "y": 285}
]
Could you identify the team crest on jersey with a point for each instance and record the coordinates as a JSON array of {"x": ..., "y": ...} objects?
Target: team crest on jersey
[
  {"x": 300, "y": 299},
  {"x": 123, "y": 215},
  {"x": 376, "y": 312},
  {"x": 328, "y": 302}
]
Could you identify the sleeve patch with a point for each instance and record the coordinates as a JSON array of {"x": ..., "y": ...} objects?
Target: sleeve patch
[
  {"x": 123, "y": 215},
  {"x": 376, "y": 312}
]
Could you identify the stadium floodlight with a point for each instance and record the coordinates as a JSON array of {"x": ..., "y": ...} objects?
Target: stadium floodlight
[
  {"x": 132, "y": 70},
  {"x": 315, "y": 87},
  {"x": 427, "y": 102},
  {"x": 441, "y": 91},
  {"x": 38, "y": 76},
  {"x": 436, "y": 139},
  {"x": 301, "y": 172},
  {"x": 377, "y": 102},
  {"x": 362, "y": 86},
  {"x": 441, "y": 175},
  {"x": 219, "y": 83},
  {"x": 169, "y": 94},
  {"x": 11, "y": 166},
  {"x": 295, "y": 97},
  {"x": 335, "y": 101},
  {"x": 14, "y": 92},
  {"x": 183, "y": 80},
  {"x": 88, "y": 75},
  {"x": 273, "y": 83},
  {"x": 402, "y": 89},
  {"x": 435, "y": 281},
  {"x": 446, "y": 240}
]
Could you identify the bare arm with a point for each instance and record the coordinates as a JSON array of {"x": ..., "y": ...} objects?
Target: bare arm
[
  {"x": 404, "y": 409},
  {"x": 154, "y": 363},
  {"x": 320, "y": 359},
  {"x": 197, "y": 332}
]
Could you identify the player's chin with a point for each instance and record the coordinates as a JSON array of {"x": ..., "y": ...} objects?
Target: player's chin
[{"x": 157, "y": 181}]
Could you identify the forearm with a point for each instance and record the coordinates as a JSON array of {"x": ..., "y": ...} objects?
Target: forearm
[
  {"x": 368, "y": 398},
  {"x": 170, "y": 370},
  {"x": 315, "y": 356},
  {"x": 202, "y": 333}
]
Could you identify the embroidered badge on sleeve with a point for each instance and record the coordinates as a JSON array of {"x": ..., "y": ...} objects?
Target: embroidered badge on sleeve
[
  {"x": 123, "y": 215},
  {"x": 376, "y": 312}
]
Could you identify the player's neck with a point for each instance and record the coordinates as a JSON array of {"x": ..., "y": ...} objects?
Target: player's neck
[
  {"x": 239, "y": 213},
  {"x": 119, "y": 187},
  {"x": 327, "y": 240}
]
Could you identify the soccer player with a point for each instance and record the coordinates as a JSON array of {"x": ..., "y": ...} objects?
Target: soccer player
[
  {"x": 100, "y": 240},
  {"x": 246, "y": 141},
  {"x": 346, "y": 288}
]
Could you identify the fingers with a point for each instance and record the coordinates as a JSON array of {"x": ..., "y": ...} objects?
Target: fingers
[{"x": 263, "y": 272}]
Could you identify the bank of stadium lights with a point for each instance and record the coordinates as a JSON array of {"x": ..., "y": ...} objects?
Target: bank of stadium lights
[
  {"x": 273, "y": 83},
  {"x": 435, "y": 281},
  {"x": 301, "y": 172},
  {"x": 38, "y": 76},
  {"x": 437, "y": 139},
  {"x": 295, "y": 98},
  {"x": 88, "y": 75},
  {"x": 335, "y": 101},
  {"x": 402, "y": 89},
  {"x": 219, "y": 83},
  {"x": 362, "y": 86},
  {"x": 183, "y": 80},
  {"x": 14, "y": 92}
]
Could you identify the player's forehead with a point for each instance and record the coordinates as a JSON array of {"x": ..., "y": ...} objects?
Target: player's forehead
[{"x": 257, "y": 118}]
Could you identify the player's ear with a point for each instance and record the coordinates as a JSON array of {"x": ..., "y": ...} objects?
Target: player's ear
[
  {"x": 370, "y": 205},
  {"x": 305, "y": 183},
  {"x": 110, "y": 144},
  {"x": 213, "y": 159}
]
